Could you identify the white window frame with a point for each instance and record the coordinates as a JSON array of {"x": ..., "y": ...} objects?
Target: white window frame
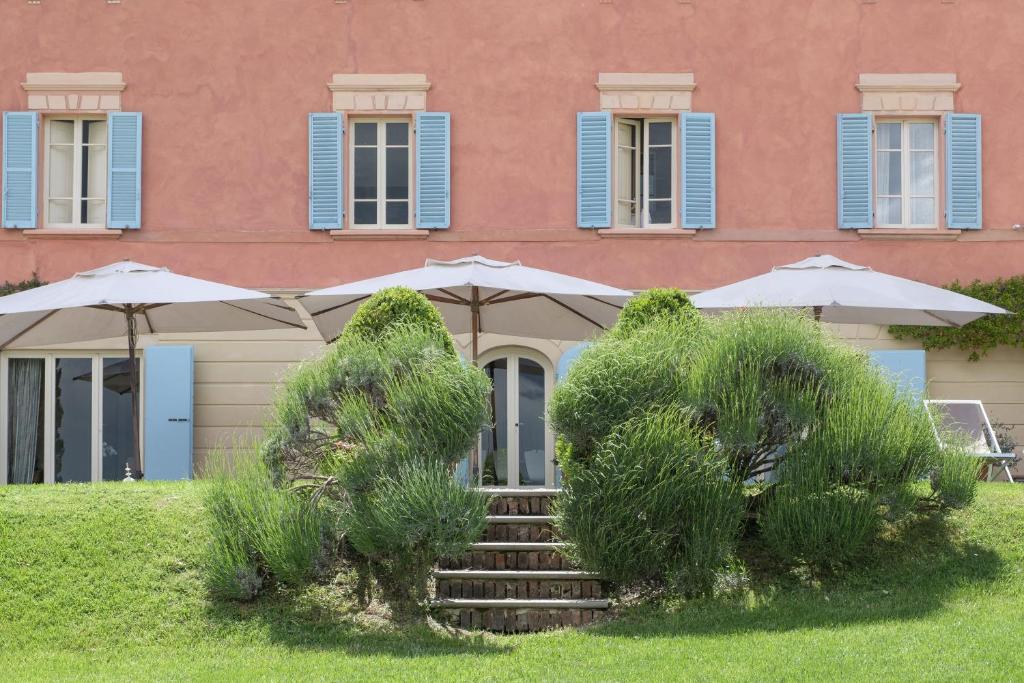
[
  {"x": 640, "y": 159},
  {"x": 905, "y": 165},
  {"x": 76, "y": 172},
  {"x": 381, "y": 172},
  {"x": 49, "y": 379}
]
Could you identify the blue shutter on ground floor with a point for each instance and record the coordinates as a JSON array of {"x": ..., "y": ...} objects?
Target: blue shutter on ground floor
[
  {"x": 697, "y": 138},
  {"x": 124, "y": 153},
  {"x": 167, "y": 404},
  {"x": 433, "y": 170},
  {"x": 963, "y": 171},
  {"x": 326, "y": 197},
  {"x": 20, "y": 140},
  {"x": 594, "y": 169},
  {"x": 905, "y": 368},
  {"x": 855, "y": 200},
  {"x": 567, "y": 359}
]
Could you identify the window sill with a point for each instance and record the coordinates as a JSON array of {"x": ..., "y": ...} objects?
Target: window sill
[
  {"x": 645, "y": 233},
  {"x": 374, "y": 234},
  {"x": 909, "y": 233},
  {"x": 71, "y": 233}
]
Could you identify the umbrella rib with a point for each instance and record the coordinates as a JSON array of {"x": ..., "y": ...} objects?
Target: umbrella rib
[
  {"x": 300, "y": 326},
  {"x": 459, "y": 299},
  {"x": 573, "y": 310},
  {"x": 149, "y": 323},
  {"x": 599, "y": 300},
  {"x": 28, "y": 329},
  {"x": 510, "y": 299},
  {"x": 332, "y": 309},
  {"x": 488, "y": 300}
]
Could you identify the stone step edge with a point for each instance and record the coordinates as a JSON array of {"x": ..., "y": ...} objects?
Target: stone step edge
[
  {"x": 522, "y": 574},
  {"x": 526, "y": 603},
  {"x": 520, "y": 519},
  {"x": 499, "y": 492},
  {"x": 522, "y": 546}
]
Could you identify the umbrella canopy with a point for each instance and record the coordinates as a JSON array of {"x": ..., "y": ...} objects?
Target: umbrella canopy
[
  {"x": 92, "y": 305},
  {"x": 841, "y": 292},
  {"x": 128, "y": 299},
  {"x": 476, "y": 294}
]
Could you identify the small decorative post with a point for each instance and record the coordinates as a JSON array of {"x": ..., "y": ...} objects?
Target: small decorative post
[{"x": 128, "y": 473}]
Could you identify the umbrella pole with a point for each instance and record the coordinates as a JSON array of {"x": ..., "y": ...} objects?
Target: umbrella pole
[
  {"x": 474, "y": 308},
  {"x": 133, "y": 382}
]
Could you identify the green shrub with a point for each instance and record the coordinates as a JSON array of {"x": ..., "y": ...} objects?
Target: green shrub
[
  {"x": 397, "y": 307},
  {"x": 653, "y": 504},
  {"x": 381, "y": 420},
  {"x": 257, "y": 530},
  {"x": 653, "y": 305},
  {"x": 954, "y": 479},
  {"x": 413, "y": 516},
  {"x": 616, "y": 378}
]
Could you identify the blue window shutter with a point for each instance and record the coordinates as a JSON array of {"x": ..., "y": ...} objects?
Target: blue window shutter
[
  {"x": 697, "y": 203},
  {"x": 567, "y": 359},
  {"x": 21, "y": 144},
  {"x": 963, "y": 171},
  {"x": 167, "y": 452},
  {"x": 905, "y": 368},
  {"x": 594, "y": 169},
  {"x": 124, "y": 157},
  {"x": 326, "y": 197},
  {"x": 433, "y": 170},
  {"x": 855, "y": 195}
]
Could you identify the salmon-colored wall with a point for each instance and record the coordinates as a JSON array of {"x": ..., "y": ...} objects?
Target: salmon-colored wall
[{"x": 225, "y": 87}]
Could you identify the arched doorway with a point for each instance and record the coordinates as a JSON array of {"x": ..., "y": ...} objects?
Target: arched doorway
[{"x": 517, "y": 449}]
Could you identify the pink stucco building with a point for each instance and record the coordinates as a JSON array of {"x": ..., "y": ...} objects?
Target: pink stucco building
[{"x": 642, "y": 143}]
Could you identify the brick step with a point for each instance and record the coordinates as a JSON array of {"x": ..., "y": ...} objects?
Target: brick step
[
  {"x": 494, "y": 587},
  {"x": 517, "y": 546},
  {"x": 520, "y": 519},
  {"x": 514, "y": 574},
  {"x": 518, "y": 533},
  {"x": 458, "y": 603},
  {"x": 521, "y": 616},
  {"x": 507, "y": 560},
  {"x": 508, "y": 502}
]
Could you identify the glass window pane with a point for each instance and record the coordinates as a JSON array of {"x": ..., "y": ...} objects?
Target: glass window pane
[
  {"x": 660, "y": 169},
  {"x": 61, "y": 170},
  {"x": 922, "y": 136},
  {"x": 62, "y": 131},
  {"x": 117, "y": 418},
  {"x": 94, "y": 171},
  {"x": 397, "y": 133},
  {"x": 922, "y": 173},
  {"x": 397, "y": 213},
  {"x": 25, "y": 426},
  {"x": 397, "y": 173},
  {"x": 73, "y": 420},
  {"x": 890, "y": 210},
  {"x": 494, "y": 437},
  {"x": 889, "y": 136},
  {"x": 365, "y": 176},
  {"x": 531, "y": 423},
  {"x": 890, "y": 178},
  {"x": 626, "y": 213},
  {"x": 60, "y": 211},
  {"x": 365, "y": 133},
  {"x": 659, "y": 133},
  {"x": 922, "y": 211},
  {"x": 660, "y": 212},
  {"x": 94, "y": 132},
  {"x": 365, "y": 213},
  {"x": 627, "y": 134},
  {"x": 95, "y": 211}
]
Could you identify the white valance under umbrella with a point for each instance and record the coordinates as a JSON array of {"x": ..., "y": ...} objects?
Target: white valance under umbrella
[
  {"x": 477, "y": 294},
  {"x": 129, "y": 299},
  {"x": 841, "y": 292}
]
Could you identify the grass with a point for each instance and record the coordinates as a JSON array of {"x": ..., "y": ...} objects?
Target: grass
[{"x": 101, "y": 582}]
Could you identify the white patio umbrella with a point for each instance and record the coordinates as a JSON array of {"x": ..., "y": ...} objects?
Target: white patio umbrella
[
  {"x": 129, "y": 299},
  {"x": 476, "y": 294},
  {"x": 841, "y": 292}
]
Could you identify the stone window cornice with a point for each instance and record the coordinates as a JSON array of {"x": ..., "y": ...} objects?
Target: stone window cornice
[
  {"x": 379, "y": 93},
  {"x": 908, "y": 94},
  {"x": 646, "y": 92},
  {"x": 85, "y": 92}
]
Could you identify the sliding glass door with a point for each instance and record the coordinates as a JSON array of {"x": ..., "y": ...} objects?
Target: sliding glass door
[{"x": 66, "y": 417}]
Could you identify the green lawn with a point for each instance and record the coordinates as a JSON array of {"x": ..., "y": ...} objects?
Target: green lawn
[{"x": 100, "y": 582}]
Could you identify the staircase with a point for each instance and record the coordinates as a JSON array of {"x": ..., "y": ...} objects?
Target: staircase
[{"x": 515, "y": 580}]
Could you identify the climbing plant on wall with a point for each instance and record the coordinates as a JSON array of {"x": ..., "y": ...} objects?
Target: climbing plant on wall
[
  {"x": 8, "y": 287},
  {"x": 984, "y": 334}
]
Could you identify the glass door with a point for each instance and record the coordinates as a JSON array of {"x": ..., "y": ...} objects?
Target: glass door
[{"x": 516, "y": 450}]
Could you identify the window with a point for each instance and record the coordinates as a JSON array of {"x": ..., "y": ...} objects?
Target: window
[
  {"x": 906, "y": 182},
  {"x": 381, "y": 166},
  {"x": 66, "y": 417},
  {"x": 76, "y": 171},
  {"x": 645, "y": 172}
]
